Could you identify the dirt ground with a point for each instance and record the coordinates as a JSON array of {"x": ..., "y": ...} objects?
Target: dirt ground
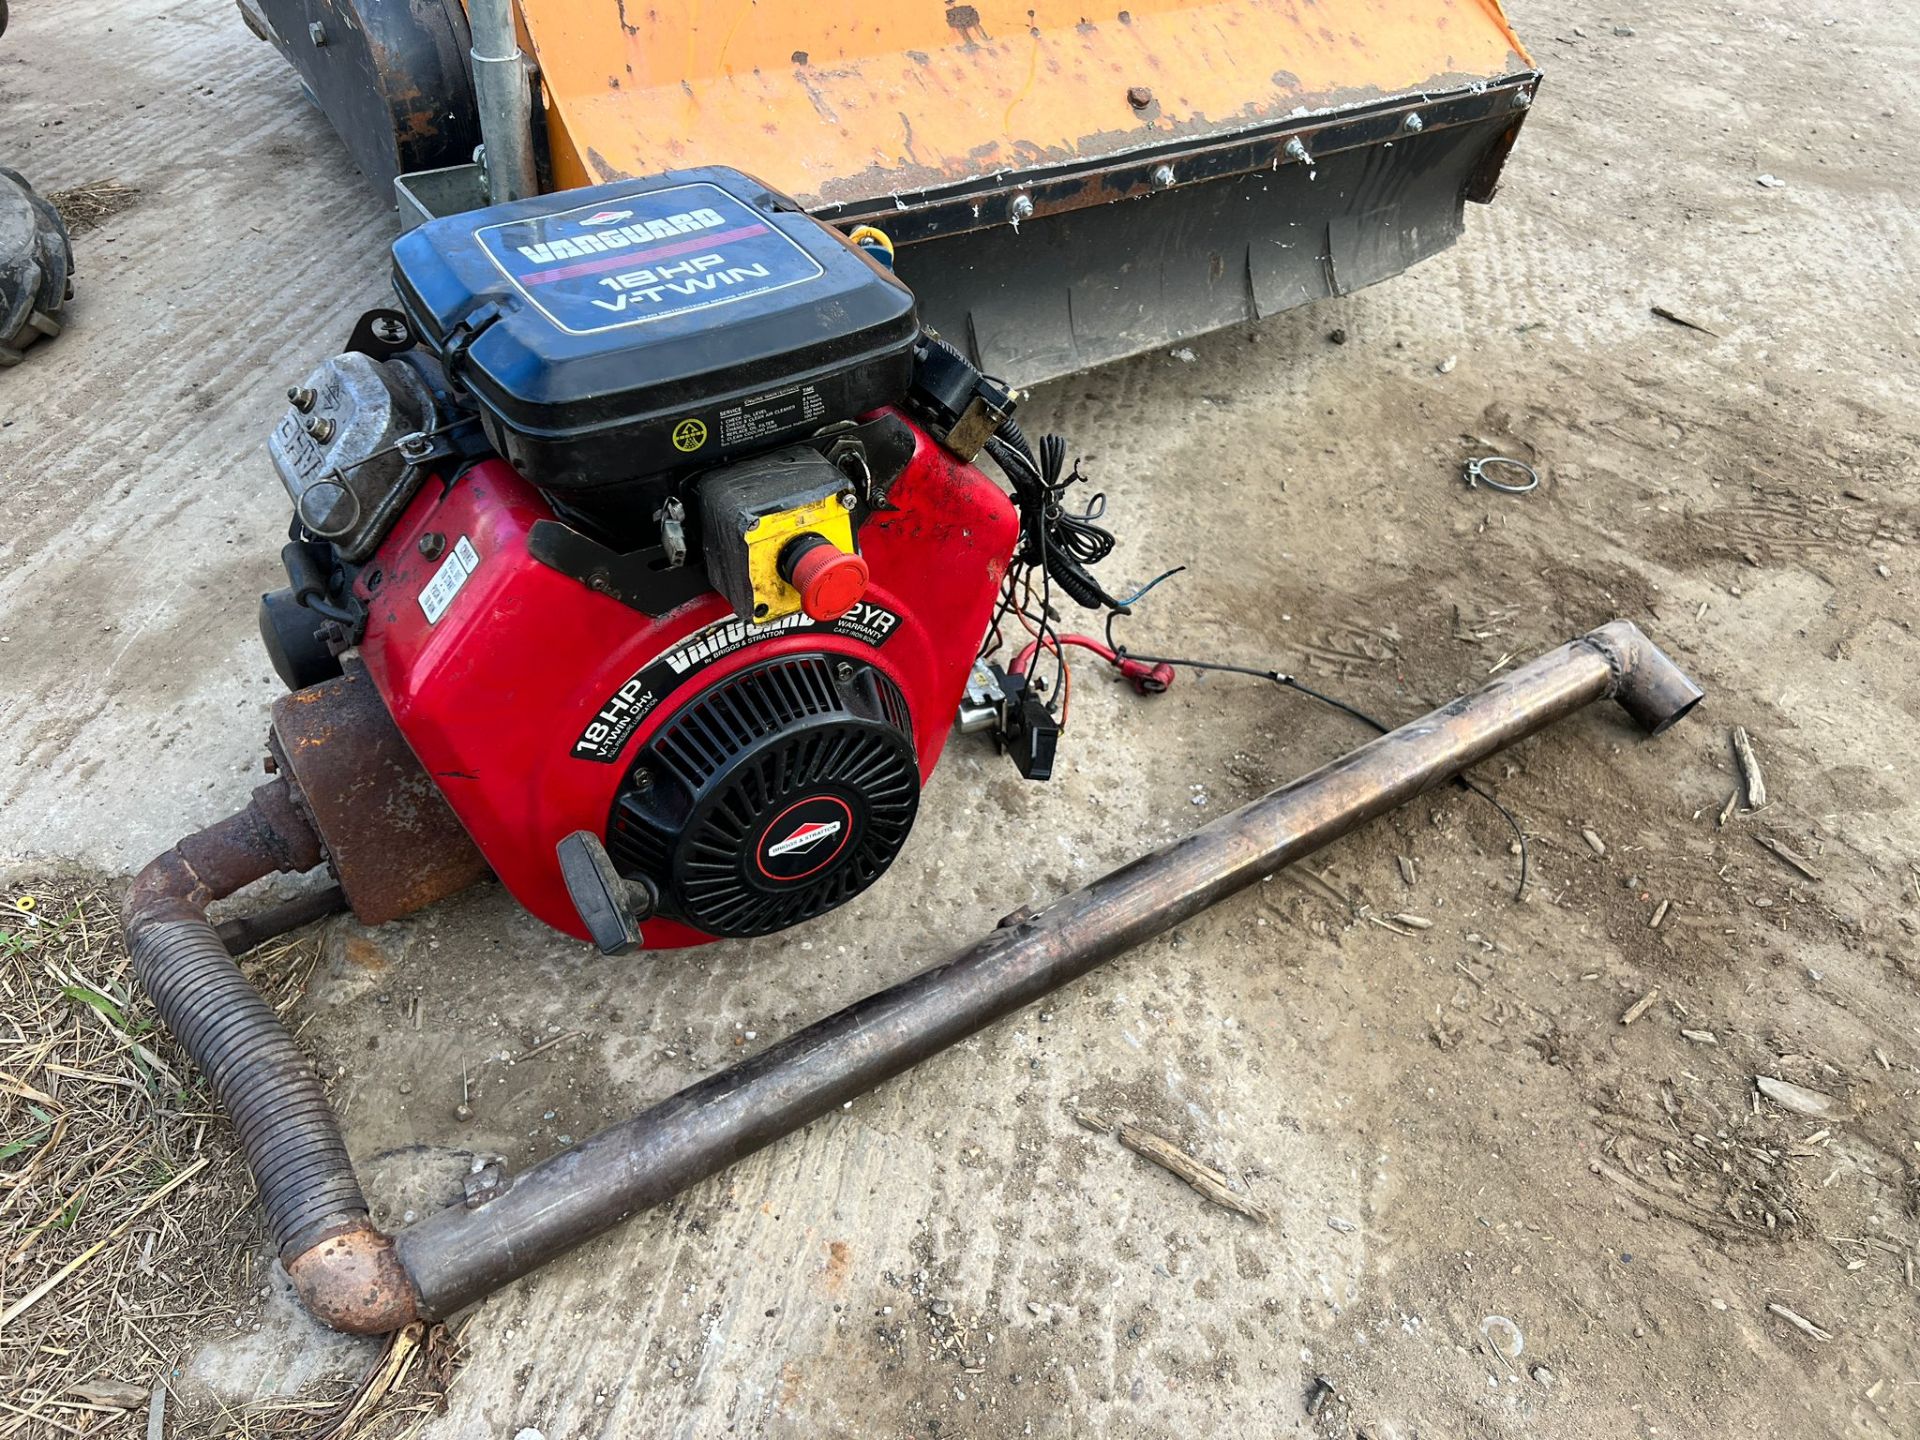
[{"x": 1498, "y": 1210}]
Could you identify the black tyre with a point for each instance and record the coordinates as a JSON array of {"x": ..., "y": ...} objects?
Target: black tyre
[{"x": 36, "y": 268}]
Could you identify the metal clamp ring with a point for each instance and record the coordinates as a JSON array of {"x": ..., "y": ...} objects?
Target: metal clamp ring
[{"x": 1477, "y": 475}]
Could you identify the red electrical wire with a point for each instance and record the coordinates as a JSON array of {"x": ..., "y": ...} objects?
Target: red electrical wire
[{"x": 1085, "y": 642}]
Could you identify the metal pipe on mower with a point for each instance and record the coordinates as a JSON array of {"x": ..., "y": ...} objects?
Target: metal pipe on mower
[
  {"x": 356, "y": 1279},
  {"x": 503, "y": 95}
]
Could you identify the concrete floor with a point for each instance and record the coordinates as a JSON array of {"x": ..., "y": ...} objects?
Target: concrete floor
[{"x": 1433, "y": 1120}]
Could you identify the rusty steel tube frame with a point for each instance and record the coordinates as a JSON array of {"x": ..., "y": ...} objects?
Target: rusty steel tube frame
[
  {"x": 353, "y": 1277},
  {"x": 461, "y": 1254}
]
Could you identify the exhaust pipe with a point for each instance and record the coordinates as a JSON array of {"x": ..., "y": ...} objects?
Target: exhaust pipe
[
  {"x": 342, "y": 1267},
  {"x": 353, "y": 1278}
]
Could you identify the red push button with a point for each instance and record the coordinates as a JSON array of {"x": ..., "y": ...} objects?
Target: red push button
[{"x": 829, "y": 580}]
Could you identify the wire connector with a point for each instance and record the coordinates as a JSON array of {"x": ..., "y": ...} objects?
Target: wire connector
[
  {"x": 961, "y": 407},
  {"x": 1147, "y": 678},
  {"x": 1026, "y": 728}
]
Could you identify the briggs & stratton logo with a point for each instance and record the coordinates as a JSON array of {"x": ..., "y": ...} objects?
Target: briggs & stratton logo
[{"x": 804, "y": 838}]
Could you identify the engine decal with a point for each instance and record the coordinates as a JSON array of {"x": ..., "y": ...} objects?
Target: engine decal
[
  {"x": 606, "y": 735},
  {"x": 437, "y": 594},
  {"x": 645, "y": 257},
  {"x": 805, "y": 838}
]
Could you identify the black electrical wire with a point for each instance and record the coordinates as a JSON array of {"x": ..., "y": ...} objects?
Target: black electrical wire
[
  {"x": 1286, "y": 681},
  {"x": 1018, "y": 584},
  {"x": 1045, "y": 623},
  {"x": 1011, "y": 432},
  {"x": 1060, "y": 542},
  {"x": 1060, "y": 545},
  {"x": 1139, "y": 595}
]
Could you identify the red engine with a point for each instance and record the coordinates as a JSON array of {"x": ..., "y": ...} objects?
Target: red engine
[
  {"x": 651, "y": 517},
  {"x": 750, "y": 776}
]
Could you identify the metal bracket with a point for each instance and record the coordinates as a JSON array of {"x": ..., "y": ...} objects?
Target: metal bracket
[
  {"x": 645, "y": 580},
  {"x": 873, "y": 454},
  {"x": 382, "y": 334},
  {"x": 484, "y": 1184},
  {"x": 424, "y": 195}
]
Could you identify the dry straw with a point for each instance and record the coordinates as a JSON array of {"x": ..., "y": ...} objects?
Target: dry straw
[{"x": 128, "y": 1232}]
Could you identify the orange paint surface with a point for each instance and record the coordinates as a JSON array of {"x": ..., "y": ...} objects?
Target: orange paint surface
[{"x": 840, "y": 100}]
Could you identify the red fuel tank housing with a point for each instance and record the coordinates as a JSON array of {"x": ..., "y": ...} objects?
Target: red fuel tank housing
[{"x": 507, "y": 677}]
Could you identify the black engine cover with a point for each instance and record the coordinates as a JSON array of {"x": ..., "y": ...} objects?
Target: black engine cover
[
  {"x": 654, "y": 326},
  {"x": 771, "y": 797}
]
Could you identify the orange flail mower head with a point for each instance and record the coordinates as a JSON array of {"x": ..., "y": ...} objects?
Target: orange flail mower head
[
  {"x": 1064, "y": 186},
  {"x": 843, "y": 102}
]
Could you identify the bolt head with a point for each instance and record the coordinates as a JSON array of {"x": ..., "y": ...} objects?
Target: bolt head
[
  {"x": 848, "y": 499},
  {"x": 642, "y": 777},
  {"x": 1162, "y": 176},
  {"x": 1022, "y": 207},
  {"x": 317, "y": 33},
  {"x": 300, "y": 397},
  {"x": 1297, "y": 149},
  {"x": 1522, "y": 99},
  {"x": 433, "y": 544},
  {"x": 843, "y": 672},
  {"x": 1139, "y": 97},
  {"x": 320, "y": 429},
  {"x": 1413, "y": 124}
]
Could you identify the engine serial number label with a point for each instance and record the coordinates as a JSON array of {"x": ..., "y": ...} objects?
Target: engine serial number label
[
  {"x": 606, "y": 735},
  {"x": 437, "y": 594}
]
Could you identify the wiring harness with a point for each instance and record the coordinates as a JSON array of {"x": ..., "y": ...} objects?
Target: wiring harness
[{"x": 1057, "y": 546}]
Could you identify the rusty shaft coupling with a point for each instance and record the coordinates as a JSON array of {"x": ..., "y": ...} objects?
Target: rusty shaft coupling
[{"x": 356, "y": 1279}]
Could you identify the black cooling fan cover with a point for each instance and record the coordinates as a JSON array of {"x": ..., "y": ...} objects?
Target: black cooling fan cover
[{"x": 772, "y": 796}]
